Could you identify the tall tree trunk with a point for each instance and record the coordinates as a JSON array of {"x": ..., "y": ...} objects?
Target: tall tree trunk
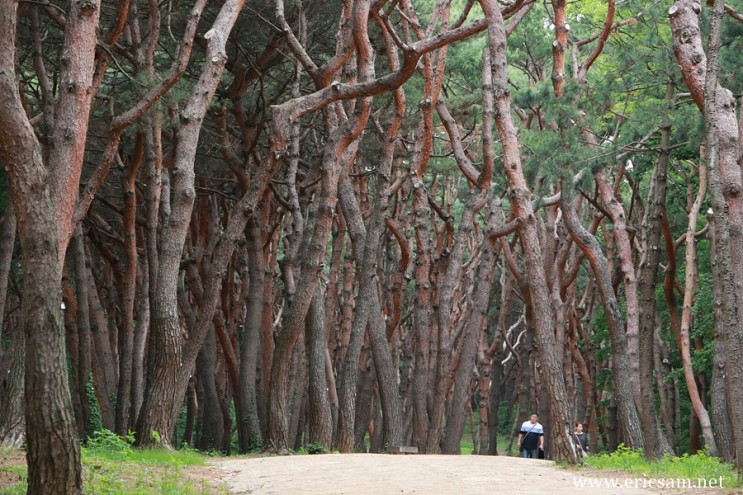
[
  {"x": 723, "y": 148},
  {"x": 368, "y": 313},
  {"x": 647, "y": 279},
  {"x": 140, "y": 341},
  {"x": 320, "y": 426},
  {"x": 192, "y": 406},
  {"x": 364, "y": 405},
  {"x": 7, "y": 242},
  {"x": 12, "y": 424},
  {"x": 718, "y": 401},
  {"x": 386, "y": 368},
  {"x": 365, "y": 250},
  {"x": 628, "y": 416},
  {"x": 71, "y": 114},
  {"x": 665, "y": 386},
  {"x": 167, "y": 376},
  {"x": 423, "y": 318},
  {"x": 692, "y": 275},
  {"x": 297, "y": 396},
  {"x": 211, "y": 428},
  {"x": 459, "y": 402},
  {"x": 53, "y": 453},
  {"x": 626, "y": 265},
  {"x": 70, "y": 315},
  {"x": 563, "y": 446},
  {"x": 126, "y": 334},
  {"x": 248, "y": 427},
  {"x": 481, "y": 289},
  {"x": 105, "y": 364},
  {"x": 84, "y": 365},
  {"x": 309, "y": 263}
]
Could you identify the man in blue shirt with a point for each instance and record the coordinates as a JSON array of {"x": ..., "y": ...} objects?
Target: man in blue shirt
[{"x": 531, "y": 438}]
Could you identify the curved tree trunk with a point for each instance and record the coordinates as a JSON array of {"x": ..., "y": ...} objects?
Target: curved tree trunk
[
  {"x": 167, "y": 377},
  {"x": 723, "y": 149},
  {"x": 628, "y": 416},
  {"x": 309, "y": 262},
  {"x": 478, "y": 316},
  {"x": 365, "y": 254},
  {"x": 563, "y": 446},
  {"x": 692, "y": 275}
]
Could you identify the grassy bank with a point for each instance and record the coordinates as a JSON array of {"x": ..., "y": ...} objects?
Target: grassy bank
[
  {"x": 694, "y": 468},
  {"x": 111, "y": 466}
]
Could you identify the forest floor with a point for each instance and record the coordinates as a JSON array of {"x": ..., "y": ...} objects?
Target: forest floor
[
  {"x": 380, "y": 474},
  {"x": 375, "y": 474}
]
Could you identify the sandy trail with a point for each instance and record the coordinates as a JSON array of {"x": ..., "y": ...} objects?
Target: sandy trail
[{"x": 378, "y": 474}]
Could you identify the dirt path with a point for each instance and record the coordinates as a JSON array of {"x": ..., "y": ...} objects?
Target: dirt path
[{"x": 372, "y": 474}]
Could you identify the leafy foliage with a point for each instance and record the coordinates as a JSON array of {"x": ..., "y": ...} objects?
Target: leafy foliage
[{"x": 694, "y": 467}]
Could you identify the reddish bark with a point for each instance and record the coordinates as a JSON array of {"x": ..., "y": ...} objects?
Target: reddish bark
[
  {"x": 686, "y": 317},
  {"x": 71, "y": 114},
  {"x": 169, "y": 362},
  {"x": 126, "y": 338},
  {"x": 564, "y": 448},
  {"x": 621, "y": 378},
  {"x": 53, "y": 453},
  {"x": 723, "y": 149}
]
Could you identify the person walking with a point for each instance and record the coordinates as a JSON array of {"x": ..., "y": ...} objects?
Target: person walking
[
  {"x": 581, "y": 440},
  {"x": 531, "y": 438}
]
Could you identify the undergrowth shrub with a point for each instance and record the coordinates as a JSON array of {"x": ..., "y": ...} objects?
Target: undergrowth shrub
[
  {"x": 694, "y": 467},
  {"x": 113, "y": 466}
]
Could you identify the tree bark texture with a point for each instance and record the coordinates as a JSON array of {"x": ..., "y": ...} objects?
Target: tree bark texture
[
  {"x": 53, "y": 447},
  {"x": 718, "y": 401},
  {"x": 647, "y": 279},
  {"x": 723, "y": 148},
  {"x": 320, "y": 429},
  {"x": 564, "y": 448},
  {"x": 168, "y": 371},
  {"x": 628, "y": 415}
]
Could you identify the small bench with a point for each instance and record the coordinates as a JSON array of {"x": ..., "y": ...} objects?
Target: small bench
[{"x": 403, "y": 449}]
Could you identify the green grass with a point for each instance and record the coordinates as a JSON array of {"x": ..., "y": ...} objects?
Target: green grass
[
  {"x": 111, "y": 466},
  {"x": 14, "y": 471},
  {"x": 693, "y": 467}
]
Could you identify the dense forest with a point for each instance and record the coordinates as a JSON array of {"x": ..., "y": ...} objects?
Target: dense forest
[{"x": 357, "y": 225}]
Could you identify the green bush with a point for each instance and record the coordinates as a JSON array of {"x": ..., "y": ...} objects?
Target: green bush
[
  {"x": 697, "y": 466},
  {"x": 106, "y": 440},
  {"x": 316, "y": 448}
]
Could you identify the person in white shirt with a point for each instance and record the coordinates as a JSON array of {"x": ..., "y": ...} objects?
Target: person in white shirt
[{"x": 531, "y": 438}]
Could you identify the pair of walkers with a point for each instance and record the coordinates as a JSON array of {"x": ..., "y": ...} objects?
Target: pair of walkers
[{"x": 531, "y": 439}]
